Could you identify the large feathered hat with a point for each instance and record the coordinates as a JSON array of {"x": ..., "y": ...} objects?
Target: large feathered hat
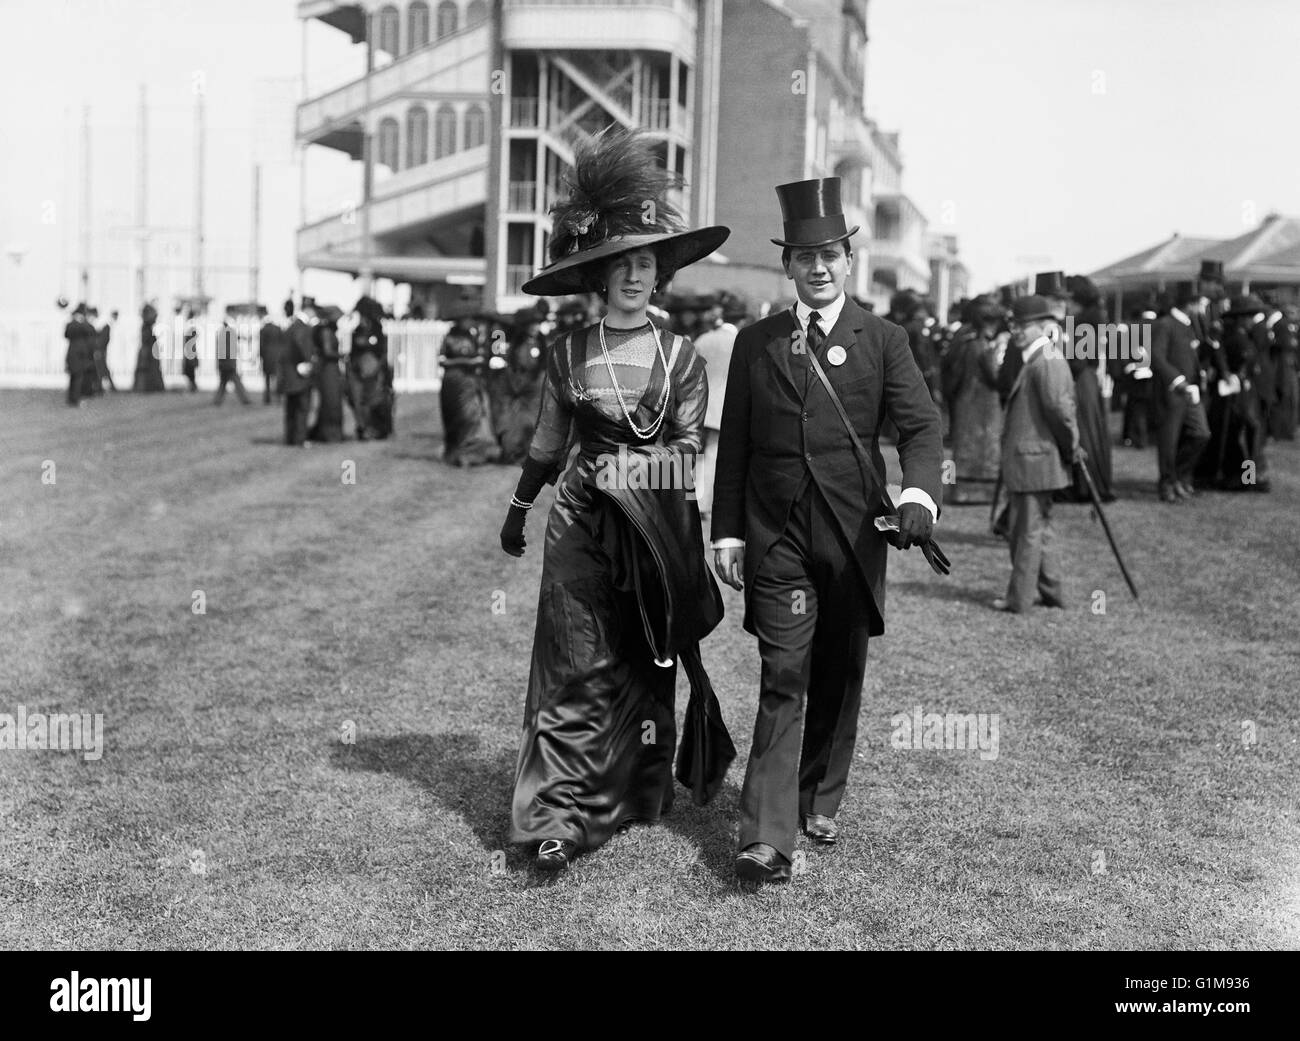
[{"x": 618, "y": 201}]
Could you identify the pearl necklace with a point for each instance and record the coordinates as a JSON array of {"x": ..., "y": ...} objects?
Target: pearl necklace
[{"x": 650, "y": 431}]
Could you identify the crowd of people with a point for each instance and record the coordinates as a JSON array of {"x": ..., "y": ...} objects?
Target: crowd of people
[{"x": 303, "y": 365}]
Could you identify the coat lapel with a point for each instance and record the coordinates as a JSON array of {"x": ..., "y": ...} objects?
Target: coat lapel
[{"x": 778, "y": 350}]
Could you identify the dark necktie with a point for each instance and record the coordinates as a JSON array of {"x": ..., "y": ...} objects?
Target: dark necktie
[
  {"x": 813, "y": 340},
  {"x": 815, "y": 336}
]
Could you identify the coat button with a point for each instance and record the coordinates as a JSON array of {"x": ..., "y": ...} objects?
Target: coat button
[{"x": 805, "y": 417}]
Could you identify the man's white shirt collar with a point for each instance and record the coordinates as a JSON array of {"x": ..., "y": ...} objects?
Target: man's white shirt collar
[
  {"x": 1028, "y": 352},
  {"x": 829, "y": 313}
]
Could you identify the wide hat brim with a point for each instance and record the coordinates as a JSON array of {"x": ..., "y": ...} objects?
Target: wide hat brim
[
  {"x": 676, "y": 250},
  {"x": 818, "y": 241}
]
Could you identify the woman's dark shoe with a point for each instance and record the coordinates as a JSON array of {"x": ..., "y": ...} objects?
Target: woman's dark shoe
[{"x": 555, "y": 854}]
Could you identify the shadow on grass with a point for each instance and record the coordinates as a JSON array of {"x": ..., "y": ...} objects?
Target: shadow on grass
[
  {"x": 711, "y": 828},
  {"x": 946, "y": 590},
  {"x": 452, "y": 768}
]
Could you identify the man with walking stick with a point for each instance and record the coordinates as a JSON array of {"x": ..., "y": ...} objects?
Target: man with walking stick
[{"x": 1040, "y": 441}]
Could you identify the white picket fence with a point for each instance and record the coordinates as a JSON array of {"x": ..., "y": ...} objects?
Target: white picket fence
[{"x": 33, "y": 351}]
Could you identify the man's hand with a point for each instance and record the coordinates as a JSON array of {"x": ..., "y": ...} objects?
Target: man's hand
[
  {"x": 729, "y": 563},
  {"x": 304, "y": 368},
  {"x": 915, "y": 525},
  {"x": 1080, "y": 455}
]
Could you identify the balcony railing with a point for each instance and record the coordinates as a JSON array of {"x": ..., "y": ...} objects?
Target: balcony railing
[
  {"x": 521, "y": 196},
  {"x": 524, "y": 112},
  {"x": 457, "y": 61},
  {"x": 656, "y": 113}
]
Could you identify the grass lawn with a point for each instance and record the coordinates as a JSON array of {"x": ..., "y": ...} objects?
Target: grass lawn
[{"x": 1144, "y": 794}]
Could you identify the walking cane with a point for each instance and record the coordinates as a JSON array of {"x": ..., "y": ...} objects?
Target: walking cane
[
  {"x": 993, "y": 510},
  {"x": 1096, "y": 505}
]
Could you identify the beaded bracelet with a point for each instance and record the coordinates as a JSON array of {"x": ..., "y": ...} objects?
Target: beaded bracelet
[{"x": 516, "y": 501}]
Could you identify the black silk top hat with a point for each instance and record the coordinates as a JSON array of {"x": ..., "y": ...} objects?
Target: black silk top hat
[
  {"x": 1050, "y": 283},
  {"x": 812, "y": 213},
  {"x": 1032, "y": 309},
  {"x": 1212, "y": 269}
]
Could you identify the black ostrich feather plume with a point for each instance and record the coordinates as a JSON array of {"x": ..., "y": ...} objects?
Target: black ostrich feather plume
[{"x": 617, "y": 188}]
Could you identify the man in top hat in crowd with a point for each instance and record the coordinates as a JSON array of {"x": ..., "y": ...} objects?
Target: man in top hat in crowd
[
  {"x": 793, "y": 520},
  {"x": 297, "y": 361},
  {"x": 1040, "y": 445},
  {"x": 1245, "y": 385},
  {"x": 1183, "y": 432}
]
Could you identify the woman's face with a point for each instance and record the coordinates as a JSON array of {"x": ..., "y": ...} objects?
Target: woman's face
[{"x": 630, "y": 279}]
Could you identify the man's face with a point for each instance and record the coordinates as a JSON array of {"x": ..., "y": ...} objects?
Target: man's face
[
  {"x": 1023, "y": 334},
  {"x": 819, "y": 272}
]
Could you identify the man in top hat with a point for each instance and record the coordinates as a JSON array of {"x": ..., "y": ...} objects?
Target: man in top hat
[
  {"x": 297, "y": 363},
  {"x": 793, "y": 520},
  {"x": 1184, "y": 432},
  {"x": 1040, "y": 445}
]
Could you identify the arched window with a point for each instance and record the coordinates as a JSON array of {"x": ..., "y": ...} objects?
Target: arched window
[
  {"x": 444, "y": 131},
  {"x": 388, "y": 142},
  {"x": 417, "y": 25},
  {"x": 448, "y": 16},
  {"x": 475, "y": 13},
  {"x": 387, "y": 29},
  {"x": 475, "y": 126},
  {"x": 417, "y": 136}
]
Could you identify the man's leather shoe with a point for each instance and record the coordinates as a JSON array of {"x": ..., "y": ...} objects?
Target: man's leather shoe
[
  {"x": 1001, "y": 603},
  {"x": 1184, "y": 490},
  {"x": 759, "y": 862},
  {"x": 820, "y": 829},
  {"x": 1168, "y": 494}
]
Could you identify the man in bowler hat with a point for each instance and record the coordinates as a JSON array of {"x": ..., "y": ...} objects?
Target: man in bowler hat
[
  {"x": 793, "y": 521},
  {"x": 1040, "y": 444}
]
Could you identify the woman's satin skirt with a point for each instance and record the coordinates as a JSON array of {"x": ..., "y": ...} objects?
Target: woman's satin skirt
[{"x": 599, "y": 734}]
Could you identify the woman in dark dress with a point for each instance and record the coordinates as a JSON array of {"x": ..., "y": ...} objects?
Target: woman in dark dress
[
  {"x": 624, "y": 588},
  {"x": 329, "y": 380},
  {"x": 1090, "y": 407}
]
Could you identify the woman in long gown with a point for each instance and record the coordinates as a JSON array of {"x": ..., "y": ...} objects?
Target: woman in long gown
[
  {"x": 624, "y": 583},
  {"x": 329, "y": 379},
  {"x": 970, "y": 387}
]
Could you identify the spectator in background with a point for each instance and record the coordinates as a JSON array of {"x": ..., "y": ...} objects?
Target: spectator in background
[
  {"x": 81, "y": 353},
  {"x": 714, "y": 346},
  {"x": 296, "y": 372},
  {"x": 270, "y": 346},
  {"x": 227, "y": 353},
  {"x": 369, "y": 377},
  {"x": 466, "y": 414},
  {"x": 102, "y": 337},
  {"x": 187, "y": 327},
  {"x": 970, "y": 387},
  {"x": 328, "y": 427},
  {"x": 148, "y": 367},
  {"x": 515, "y": 393},
  {"x": 1136, "y": 380},
  {"x": 1040, "y": 442},
  {"x": 1184, "y": 431}
]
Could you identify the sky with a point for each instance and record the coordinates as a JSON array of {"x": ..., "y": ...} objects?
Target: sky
[
  {"x": 1043, "y": 133},
  {"x": 1066, "y": 134}
]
